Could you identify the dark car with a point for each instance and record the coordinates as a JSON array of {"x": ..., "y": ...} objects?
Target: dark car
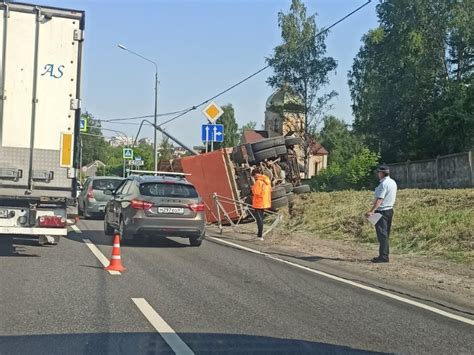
[
  {"x": 156, "y": 206},
  {"x": 92, "y": 200}
]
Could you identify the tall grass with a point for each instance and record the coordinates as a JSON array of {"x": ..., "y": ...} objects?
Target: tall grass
[{"x": 428, "y": 222}]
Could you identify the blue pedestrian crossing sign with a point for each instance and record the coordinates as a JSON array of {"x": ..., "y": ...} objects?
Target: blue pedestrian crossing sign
[
  {"x": 127, "y": 153},
  {"x": 212, "y": 133},
  {"x": 83, "y": 124}
]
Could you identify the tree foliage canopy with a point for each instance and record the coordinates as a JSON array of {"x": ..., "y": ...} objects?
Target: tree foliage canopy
[
  {"x": 299, "y": 63},
  {"x": 411, "y": 82}
]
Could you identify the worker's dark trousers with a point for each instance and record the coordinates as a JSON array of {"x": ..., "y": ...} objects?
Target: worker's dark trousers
[
  {"x": 259, "y": 219},
  {"x": 382, "y": 229}
]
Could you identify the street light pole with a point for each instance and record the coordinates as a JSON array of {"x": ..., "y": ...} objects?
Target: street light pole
[{"x": 155, "y": 135}]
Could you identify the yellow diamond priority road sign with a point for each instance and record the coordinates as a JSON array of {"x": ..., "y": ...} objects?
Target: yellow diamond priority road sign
[{"x": 212, "y": 112}]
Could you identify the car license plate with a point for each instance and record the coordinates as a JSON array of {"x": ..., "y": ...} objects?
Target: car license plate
[
  {"x": 170, "y": 210},
  {"x": 3, "y": 213}
]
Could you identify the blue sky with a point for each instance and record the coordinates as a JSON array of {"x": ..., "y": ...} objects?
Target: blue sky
[{"x": 201, "y": 47}]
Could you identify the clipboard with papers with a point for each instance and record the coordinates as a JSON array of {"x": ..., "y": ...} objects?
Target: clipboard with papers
[{"x": 374, "y": 218}]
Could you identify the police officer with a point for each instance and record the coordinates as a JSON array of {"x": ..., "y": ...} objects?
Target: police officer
[
  {"x": 262, "y": 197},
  {"x": 385, "y": 196}
]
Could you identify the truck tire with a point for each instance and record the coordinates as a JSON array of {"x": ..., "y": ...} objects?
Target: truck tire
[
  {"x": 290, "y": 196},
  {"x": 269, "y": 153},
  {"x": 238, "y": 156},
  {"x": 124, "y": 235},
  {"x": 288, "y": 187},
  {"x": 302, "y": 189},
  {"x": 281, "y": 150},
  {"x": 195, "y": 241},
  {"x": 290, "y": 141},
  {"x": 278, "y": 192},
  {"x": 279, "y": 203},
  {"x": 268, "y": 143}
]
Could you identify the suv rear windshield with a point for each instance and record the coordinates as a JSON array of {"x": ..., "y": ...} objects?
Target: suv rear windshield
[
  {"x": 106, "y": 184},
  {"x": 160, "y": 189}
]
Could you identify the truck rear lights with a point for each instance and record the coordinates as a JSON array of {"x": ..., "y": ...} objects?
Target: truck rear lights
[
  {"x": 52, "y": 221},
  {"x": 196, "y": 207},
  {"x": 141, "y": 205}
]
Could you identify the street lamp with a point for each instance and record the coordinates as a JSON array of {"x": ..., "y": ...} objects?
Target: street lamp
[{"x": 155, "y": 148}]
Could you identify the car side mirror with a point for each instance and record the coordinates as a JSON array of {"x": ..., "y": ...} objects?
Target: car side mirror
[{"x": 108, "y": 192}]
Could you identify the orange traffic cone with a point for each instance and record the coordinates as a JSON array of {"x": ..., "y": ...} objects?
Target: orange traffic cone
[{"x": 115, "y": 261}]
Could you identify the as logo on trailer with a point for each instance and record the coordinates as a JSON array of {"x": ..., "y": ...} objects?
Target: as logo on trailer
[{"x": 49, "y": 68}]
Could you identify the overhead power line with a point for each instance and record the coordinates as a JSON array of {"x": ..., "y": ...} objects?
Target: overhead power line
[
  {"x": 184, "y": 112},
  {"x": 141, "y": 117}
]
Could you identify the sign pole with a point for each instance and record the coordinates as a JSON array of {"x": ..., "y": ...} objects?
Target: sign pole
[{"x": 212, "y": 144}]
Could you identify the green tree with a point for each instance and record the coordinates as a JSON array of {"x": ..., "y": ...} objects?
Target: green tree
[
  {"x": 341, "y": 142},
  {"x": 301, "y": 67},
  {"x": 356, "y": 173},
  {"x": 165, "y": 149},
  {"x": 92, "y": 144},
  {"x": 231, "y": 133},
  {"x": 145, "y": 151},
  {"x": 408, "y": 79}
]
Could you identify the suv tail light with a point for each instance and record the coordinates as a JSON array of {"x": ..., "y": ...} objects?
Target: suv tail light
[
  {"x": 141, "y": 205},
  {"x": 52, "y": 221},
  {"x": 196, "y": 207}
]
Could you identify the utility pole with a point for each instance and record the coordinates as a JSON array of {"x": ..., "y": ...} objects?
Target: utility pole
[{"x": 155, "y": 135}]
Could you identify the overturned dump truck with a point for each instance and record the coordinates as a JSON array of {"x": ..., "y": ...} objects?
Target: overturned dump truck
[{"x": 227, "y": 173}]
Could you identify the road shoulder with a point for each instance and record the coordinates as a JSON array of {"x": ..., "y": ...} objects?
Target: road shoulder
[{"x": 432, "y": 281}]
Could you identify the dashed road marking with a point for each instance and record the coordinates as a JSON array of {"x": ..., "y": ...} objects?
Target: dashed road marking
[
  {"x": 167, "y": 333},
  {"x": 352, "y": 283},
  {"x": 76, "y": 229},
  {"x": 101, "y": 257}
]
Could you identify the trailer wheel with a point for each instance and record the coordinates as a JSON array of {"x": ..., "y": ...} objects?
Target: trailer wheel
[
  {"x": 279, "y": 203},
  {"x": 278, "y": 192},
  {"x": 288, "y": 187},
  {"x": 290, "y": 141},
  {"x": 265, "y": 154},
  {"x": 281, "y": 150},
  {"x": 290, "y": 196},
  {"x": 302, "y": 189},
  {"x": 238, "y": 155},
  {"x": 268, "y": 143},
  {"x": 48, "y": 239}
]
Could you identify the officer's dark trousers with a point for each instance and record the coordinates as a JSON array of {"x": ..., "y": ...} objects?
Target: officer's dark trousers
[{"x": 382, "y": 229}]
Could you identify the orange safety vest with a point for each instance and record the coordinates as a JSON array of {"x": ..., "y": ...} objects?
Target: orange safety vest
[{"x": 262, "y": 192}]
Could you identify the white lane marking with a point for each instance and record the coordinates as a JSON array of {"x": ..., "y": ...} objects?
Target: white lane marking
[
  {"x": 167, "y": 333},
  {"x": 76, "y": 229},
  {"x": 352, "y": 283},
  {"x": 98, "y": 254}
]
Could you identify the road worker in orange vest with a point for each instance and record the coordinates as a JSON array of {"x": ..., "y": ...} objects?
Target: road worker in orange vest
[{"x": 262, "y": 197}]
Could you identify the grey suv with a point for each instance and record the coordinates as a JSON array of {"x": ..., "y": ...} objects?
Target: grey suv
[{"x": 156, "y": 206}]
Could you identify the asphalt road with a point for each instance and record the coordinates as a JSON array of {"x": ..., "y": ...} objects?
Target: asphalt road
[{"x": 217, "y": 299}]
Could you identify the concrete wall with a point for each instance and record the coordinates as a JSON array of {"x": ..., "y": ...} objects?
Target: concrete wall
[{"x": 448, "y": 171}]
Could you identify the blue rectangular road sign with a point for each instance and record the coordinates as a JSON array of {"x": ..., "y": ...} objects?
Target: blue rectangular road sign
[{"x": 212, "y": 132}]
